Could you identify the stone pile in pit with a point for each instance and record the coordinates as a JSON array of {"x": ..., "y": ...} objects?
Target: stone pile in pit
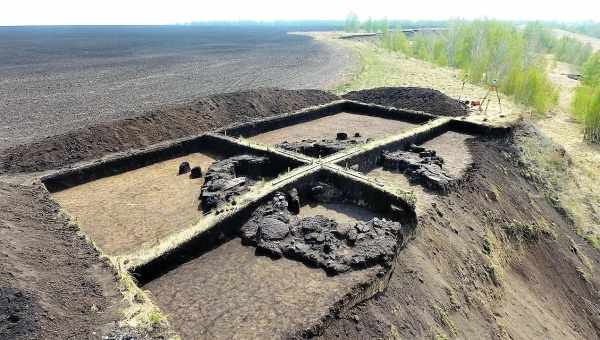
[
  {"x": 228, "y": 178},
  {"x": 421, "y": 165},
  {"x": 324, "y": 147},
  {"x": 319, "y": 241}
]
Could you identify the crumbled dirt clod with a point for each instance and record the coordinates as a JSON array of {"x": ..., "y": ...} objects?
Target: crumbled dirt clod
[
  {"x": 226, "y": 179},
  {"x": 341, "y": 136},
  {"x": 421, "y": 165},
  {"x": 413, "y": 98},
  {"x": 184, "y": 168},
  {"x": 319, "y": 241},
  {"x": 17, "y": 314}
]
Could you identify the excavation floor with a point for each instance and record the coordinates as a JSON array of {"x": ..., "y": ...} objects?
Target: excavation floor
[
  {"x": 343, "y": 213},
  {"x": 451, "y": 146},
  {"x": 231, "y": 293},
  {"x": 328, "y": 127},
  {"x": 125, "y": 211}
]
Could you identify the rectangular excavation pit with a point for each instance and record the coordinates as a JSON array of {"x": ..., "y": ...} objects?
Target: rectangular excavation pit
[
  {"x": 319, "y": 126},
  {"x": 449, "y": 140},
  {"x": 216, "y": 287},
  {"x": 137, "y": 198}
]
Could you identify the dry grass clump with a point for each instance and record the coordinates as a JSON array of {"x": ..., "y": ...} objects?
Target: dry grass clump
[{"x": 527, "y": 232}]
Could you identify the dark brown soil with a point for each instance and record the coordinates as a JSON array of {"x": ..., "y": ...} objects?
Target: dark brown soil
[
  {"x": 465, "y": 276},
  {"x": 413, "y": 98},
  {"x": 52, "y": 283},
  {"x": 201, "y": 115}
]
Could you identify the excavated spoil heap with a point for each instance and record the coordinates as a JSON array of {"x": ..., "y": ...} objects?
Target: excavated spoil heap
[
  {"x": 421, "y": 165},
  {"x": 319, "y": 241},
  {"x": 324, "y": 147},
  {"x": 229, "y": 178}
]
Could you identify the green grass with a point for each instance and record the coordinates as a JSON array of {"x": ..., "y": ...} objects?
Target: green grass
[
  {"x": 445, "y": 320},
  {"x": 527, "y": 232},
  {"x": 593, "y": 240}
]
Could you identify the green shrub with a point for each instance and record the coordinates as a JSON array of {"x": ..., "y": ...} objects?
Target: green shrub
[
  {"x": 591, "y": 70},
  {"x": 395, "y": 41},
  {"x": 487, "y": 50},
  {"x": 586, "y": 101},
  {"x": 571, "y": 51}
]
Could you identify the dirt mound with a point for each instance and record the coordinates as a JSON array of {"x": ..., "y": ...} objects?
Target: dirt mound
[
  {"x": 413, "y": 98},
  {"x": 52, "y": 283},
  {"x": 201, "y": 115},
  {"x": 465, "y": 275}
]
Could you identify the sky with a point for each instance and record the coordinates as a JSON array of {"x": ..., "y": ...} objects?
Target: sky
[{"x": 134, "y": 12}]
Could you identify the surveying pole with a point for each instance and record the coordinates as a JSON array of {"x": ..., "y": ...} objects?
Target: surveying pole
[{"x": 493, "y": 87}]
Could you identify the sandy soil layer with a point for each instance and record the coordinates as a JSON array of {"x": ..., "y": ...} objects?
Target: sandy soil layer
[
  {"x": 122, "y": 212},
  {"x": 327, "y": 127},
  {"x": 231, "y": 293},
  {"x": 55, "y": 79}
]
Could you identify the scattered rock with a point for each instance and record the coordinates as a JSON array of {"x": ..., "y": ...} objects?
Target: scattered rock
[
  {"x": 324, "y": 147},
  {"x": 184, "y": 168},
  {"x": 319, "y": 241},
  {"x": 356, "y": 135},
  {"x": 196, "y": 172},
  {"x": 421, "y": 165},
  {"x": 294, "y": 201},
  {"x": 229, "y": 178}
]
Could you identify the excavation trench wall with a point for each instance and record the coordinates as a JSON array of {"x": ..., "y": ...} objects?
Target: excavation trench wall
[
  {"x": 303, "y": 116},
  {"x": 463, "y": 126},
  {"x": 123, "y": 162},
  {"x": 369, "y": 159},
  {"x": 355, "y": 192}
]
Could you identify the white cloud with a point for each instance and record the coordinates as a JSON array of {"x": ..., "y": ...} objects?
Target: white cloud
[{"x": 54, "y": 12}]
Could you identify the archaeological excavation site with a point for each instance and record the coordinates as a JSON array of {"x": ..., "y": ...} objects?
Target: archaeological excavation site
[
  {"x": 273, "y": 227},
  {"x": 287, "y": 223}
]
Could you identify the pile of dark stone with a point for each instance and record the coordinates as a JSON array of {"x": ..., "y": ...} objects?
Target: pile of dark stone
[
  {"x": 228, "y": 178},
  {"x": 184, "y": 168},
  {"x": 324, "y": 147},
  {"x": 319, "y": 241},
  {"x": 421, "y": 165}
]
